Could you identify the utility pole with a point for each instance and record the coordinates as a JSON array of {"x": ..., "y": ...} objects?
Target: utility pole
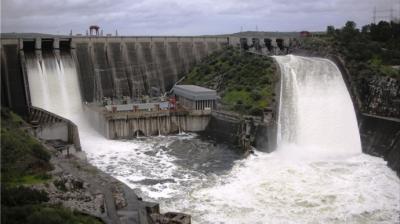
[
  {"x": 387, "y": 14},
  {"x": 398, "y": 12},
  {"x": 391, "y": 14},
  {"x": 374, "y": 16}
]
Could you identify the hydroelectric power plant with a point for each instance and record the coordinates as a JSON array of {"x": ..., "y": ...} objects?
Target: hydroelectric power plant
[{"x": 311, "y": 170}]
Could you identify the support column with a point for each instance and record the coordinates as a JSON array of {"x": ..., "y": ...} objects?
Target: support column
[{"x": 38, "y": 43}]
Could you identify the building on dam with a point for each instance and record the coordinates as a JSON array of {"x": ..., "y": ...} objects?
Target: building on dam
[{"x": 193, "y": 97}]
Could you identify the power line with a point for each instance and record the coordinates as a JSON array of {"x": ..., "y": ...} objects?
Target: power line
[{"x": 384, "y": 14}]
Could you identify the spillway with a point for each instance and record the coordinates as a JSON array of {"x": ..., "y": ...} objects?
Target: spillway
[
  {"x": 317, "y": 175},
  {"x": 316, "y": 114},
  {"x": 53, "y": 83}
]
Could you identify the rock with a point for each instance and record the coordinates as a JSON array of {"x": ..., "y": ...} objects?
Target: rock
[
  {"x": 381, "y": 96},
  {"x": 99, "y": 203},
  {"x": 118, "y": 195},
  {"x": 171, "y": 218}
]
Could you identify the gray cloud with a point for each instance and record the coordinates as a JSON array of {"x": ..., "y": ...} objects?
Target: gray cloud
[{"x": 184, "y": 17}]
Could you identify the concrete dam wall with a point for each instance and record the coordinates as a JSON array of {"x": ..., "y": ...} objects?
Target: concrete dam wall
[
  {"x": 136, "y": 66},
  {"x": 107, "y": 66},
  {"x": 13, "y": 86}
]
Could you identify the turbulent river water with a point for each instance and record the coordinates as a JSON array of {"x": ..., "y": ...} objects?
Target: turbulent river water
[{"x": 318, "y": 173}]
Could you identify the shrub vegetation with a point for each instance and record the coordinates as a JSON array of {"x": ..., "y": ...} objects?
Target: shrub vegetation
[
  {"x": 368, "y": 52},
  {"x": 243, "y": 80}
]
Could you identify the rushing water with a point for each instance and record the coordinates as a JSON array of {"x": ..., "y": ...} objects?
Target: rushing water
[{"x": 317, "y": 175}]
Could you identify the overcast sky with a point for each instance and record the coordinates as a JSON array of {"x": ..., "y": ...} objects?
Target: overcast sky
[{"x": 185, "y": 17}]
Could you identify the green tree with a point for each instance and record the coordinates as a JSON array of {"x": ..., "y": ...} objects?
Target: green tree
[
  {"x": 366, "y": 29},
  {"x": 381, "y": 32},
  {"x": 330, "y": 30},
  {"x": 349, "y": 31}
]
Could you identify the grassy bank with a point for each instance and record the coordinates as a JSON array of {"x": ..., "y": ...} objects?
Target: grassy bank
[
  {"x": 23, "y": 159},
  {"x": 25, "y": 162},
  {"x": 244, "y": 81}
]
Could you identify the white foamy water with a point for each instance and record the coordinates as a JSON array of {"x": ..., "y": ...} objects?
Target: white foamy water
[
  {"x": 317, "y": 175},
  {"x": 316, "y": 112}
]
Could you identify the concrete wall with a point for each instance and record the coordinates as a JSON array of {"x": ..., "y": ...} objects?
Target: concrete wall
[
  {"x": 13, "y": 87},
  {"x": 381, "y": 137},
  {"x": 53, "y": 127},
  {"x": 235, "y": 40},
  {"x": 133, "y": 66},
  {"x": 261, "y": 47},
  {"x": 243, "y": 131},
  {"x": 197, "y": 120},
  {"x": 145, "y": 126},
  {"x": 128, "y": 125},
  {"x": 52, "y": 131},
  {"x": 224, "y": 128}
]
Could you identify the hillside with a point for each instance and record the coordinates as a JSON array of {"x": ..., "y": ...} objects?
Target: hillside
[
  {"x": 244, "y": 81},
  {"x": 24, "y": 164}
]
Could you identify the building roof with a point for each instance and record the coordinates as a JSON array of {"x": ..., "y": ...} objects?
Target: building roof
[{"x": 193, "y": 92}]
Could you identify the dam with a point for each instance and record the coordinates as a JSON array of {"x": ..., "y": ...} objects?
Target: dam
[
  {"x": 113, "y": 70},
  {"x": 112, "y": 67},
  {"x": 309, "y": 178}
]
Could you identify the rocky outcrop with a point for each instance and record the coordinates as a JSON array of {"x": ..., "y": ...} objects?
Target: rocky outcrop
[
  {"x": 73, "y": 193},
  {"x": 381, "y": 96},
  {"x": 171, "y": 218},
  {"x": 78, "y": 185}
]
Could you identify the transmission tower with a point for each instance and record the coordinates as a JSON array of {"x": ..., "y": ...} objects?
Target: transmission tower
[{"x": 383, "y": 14}]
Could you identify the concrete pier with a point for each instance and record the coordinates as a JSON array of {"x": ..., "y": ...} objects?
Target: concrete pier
[{"x": 128, "y": 125}]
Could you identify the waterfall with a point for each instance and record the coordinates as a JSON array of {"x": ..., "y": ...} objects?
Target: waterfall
[
  {"x": 316, "y": 114},
  {"x": 54, "y": 86}
]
